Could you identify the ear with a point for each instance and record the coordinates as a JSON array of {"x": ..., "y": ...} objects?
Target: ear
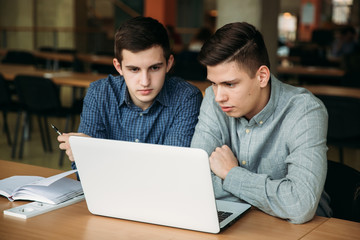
[
  {"x": 263, "y": 75},
  {"x": 170, "y": 63},
  {"x": 117, "y": 66}
]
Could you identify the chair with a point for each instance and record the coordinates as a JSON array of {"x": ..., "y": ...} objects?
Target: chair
[
  {"x": 6, "y": 105},
  {"x": 40, "y": 96},
  {"x": 343, "y": 186},
  {"x": 351, "y": 64},
  {"x": 342, "y": 130},
  {"x": 19, "y": 57}
]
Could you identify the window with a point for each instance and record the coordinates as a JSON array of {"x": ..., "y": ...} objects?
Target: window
[
  {"x": 341, "y": 11},
  {"x": 287, "y": 27}
]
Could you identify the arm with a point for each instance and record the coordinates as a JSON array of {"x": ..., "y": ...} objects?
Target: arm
[
  {"x": 209, "y": 135},
  {"x": 183, "y": 126},
  {"x": 90, "y": 124},
  {"x": 296, "y": 196},
  {"x": 91, "y": 119}
]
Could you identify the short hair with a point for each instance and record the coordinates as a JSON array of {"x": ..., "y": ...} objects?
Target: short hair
[
  {"x": 139, "y": 34},
  {"x": 240, "y": 42}
]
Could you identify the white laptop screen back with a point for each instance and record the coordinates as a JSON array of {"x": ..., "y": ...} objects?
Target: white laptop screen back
[{"x": 150, "y": 183}]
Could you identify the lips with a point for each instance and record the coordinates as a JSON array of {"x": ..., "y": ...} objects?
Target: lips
[
  {"x": 145, "y": 92},
  {"x": 226, "y": 108}
]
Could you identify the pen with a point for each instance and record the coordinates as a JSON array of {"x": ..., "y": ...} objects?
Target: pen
[{"x": 55, "y": 128}]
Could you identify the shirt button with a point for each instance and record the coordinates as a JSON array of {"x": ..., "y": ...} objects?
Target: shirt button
[
  {"x": 137, "y": 140},
  {"x": 141, "y": 114},
  {"x": 247, "y": 130},
  {"x": 261, "y": 122},
  {"x": 243, "y": 162}
]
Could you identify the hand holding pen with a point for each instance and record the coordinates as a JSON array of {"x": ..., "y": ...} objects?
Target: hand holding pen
[{"x": 63, "y": 140}]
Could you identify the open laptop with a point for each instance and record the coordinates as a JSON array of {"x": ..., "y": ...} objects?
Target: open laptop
[{"x": 150, "y": 183}]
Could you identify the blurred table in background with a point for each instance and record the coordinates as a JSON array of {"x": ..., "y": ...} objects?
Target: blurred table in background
[
  {"x": 65, "y": 78},
  {"x": 333, "y": 90},
  {"x": 96, "y": 59},
  {"x": 298, "y": 70}
]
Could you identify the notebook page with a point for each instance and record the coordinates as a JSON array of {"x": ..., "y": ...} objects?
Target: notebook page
[
  {"x": 10, "y": 184},
  {"x": 50, "y": 180},
  {"x": 61, "y": 190}
]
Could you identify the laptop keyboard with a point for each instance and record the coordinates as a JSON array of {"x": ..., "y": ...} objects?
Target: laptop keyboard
[{"x": 223, "y": 215}]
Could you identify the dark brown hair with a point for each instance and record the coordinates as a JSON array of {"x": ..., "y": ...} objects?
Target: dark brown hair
[
  {"x": 141, "y": 33},
  {"x": 240, "y": 42}
]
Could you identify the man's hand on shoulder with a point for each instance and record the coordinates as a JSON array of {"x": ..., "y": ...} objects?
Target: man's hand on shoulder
[{"x": 222, "y": 160}]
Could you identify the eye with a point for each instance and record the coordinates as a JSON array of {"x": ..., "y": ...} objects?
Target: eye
[
  {"x": 155, "y": 68},
  {"x": 230, "y": 84},
  {"x": 134, "y": 70}
]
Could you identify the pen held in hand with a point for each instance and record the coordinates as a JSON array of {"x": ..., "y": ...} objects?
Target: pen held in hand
[{"x": 56, "y": 130}]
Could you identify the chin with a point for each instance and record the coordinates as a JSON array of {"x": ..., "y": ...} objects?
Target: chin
[{"x": 233, "y": 114}]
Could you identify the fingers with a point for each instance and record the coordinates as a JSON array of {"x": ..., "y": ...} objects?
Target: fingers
[
  {"x": 223, "y": 151},
  {"x": 222, "y": 160},
  {"x": 65, "y": 145}
]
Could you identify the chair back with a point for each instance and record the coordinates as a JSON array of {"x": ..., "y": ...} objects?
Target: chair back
[
  {"x": 343, "y": 111},
  {"x": 19, "y": 57},
  {"x": 343, "y": 186},
  {"x": 37, "y": 94},
  {"x": 5, "y": 96},
  {"x": 351, "y": 65}
]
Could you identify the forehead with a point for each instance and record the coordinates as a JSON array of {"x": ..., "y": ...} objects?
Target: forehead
[
  {"x": 153, "y": 55},
  {"x": 226, "y": 71}
]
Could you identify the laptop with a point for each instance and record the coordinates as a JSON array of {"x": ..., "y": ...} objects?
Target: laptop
[{"x": 151, "y": 183}]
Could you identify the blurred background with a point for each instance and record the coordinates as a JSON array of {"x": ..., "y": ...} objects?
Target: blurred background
[{"x": 310, "y": 42}]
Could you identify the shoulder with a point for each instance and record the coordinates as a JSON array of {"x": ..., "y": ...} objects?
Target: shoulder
[
  {"x": 298, "y": 103},
  {"x": 285, "y": 95},
  {"x": 107, "y": 84},
  {"x": 301, "y": 97}
]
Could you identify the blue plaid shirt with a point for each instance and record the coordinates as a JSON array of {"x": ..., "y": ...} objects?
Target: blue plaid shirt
[{"x": 109, "y": 113}]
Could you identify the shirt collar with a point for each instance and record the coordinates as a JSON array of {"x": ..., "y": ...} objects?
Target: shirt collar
[{"x": 163, "y": 96}]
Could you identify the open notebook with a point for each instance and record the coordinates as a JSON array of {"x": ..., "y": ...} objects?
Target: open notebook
[{"x": 150, "y": 183}]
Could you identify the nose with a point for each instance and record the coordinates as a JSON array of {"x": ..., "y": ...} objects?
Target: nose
[
  {"x": 145, "y": 79},
  {"x": 220, "y": 95}
]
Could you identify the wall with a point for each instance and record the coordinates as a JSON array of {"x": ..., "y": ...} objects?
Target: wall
[
  {"x": 17, "y": 13},
  {"x": 23, "y": 16},
  {"x": 56, "y": 13},
  {"x": 262, "y": 14}
]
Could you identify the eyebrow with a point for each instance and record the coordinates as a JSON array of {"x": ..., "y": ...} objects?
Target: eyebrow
[
  {"x": 153, "y": 65},
  {"x": 224, "y": 82}
]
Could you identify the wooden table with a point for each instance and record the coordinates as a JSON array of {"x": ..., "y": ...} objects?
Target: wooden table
[
  {"x": 333, "y": 90},
  {"x": 298, "y": 70},
  {"x": 66, "y": 57},
  {"x": 335, "y": 229},
  {"x": 65, "y": 78},
  {"x": 76, "y": 222},
  {"x": 97, "y": 59}
]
